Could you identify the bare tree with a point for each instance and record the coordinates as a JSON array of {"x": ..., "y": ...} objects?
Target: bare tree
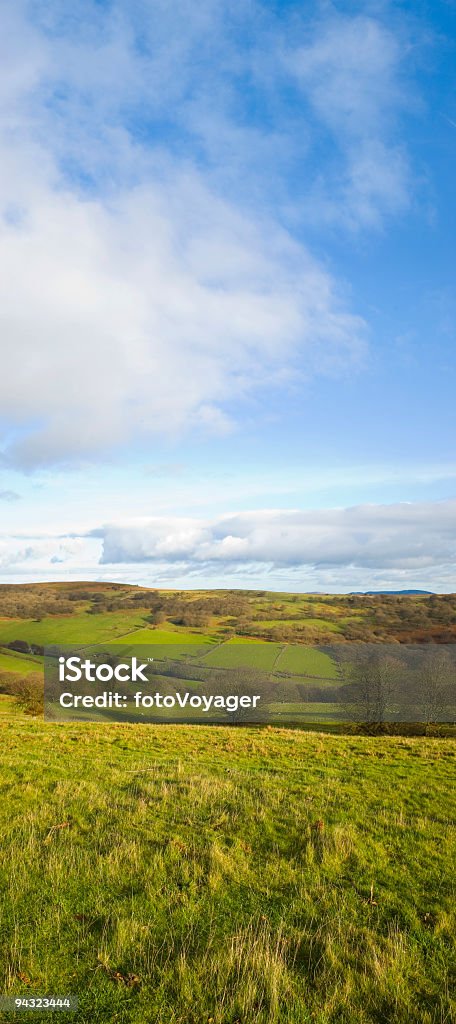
[
  {"x": 436, "y": 687},
  {"x": 245, "y": 682},
  {"x": 373, "y": 687}
]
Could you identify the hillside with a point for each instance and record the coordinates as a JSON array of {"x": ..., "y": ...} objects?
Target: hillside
[
  {"x": 293, "y": 646},
  {"x": 186, "y": 875},
  {"x": 95, "y": 612},
  {"x": 235, "y": 876}
]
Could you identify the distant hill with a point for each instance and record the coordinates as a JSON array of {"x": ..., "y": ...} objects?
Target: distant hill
[{"x": 373, "y": 593}]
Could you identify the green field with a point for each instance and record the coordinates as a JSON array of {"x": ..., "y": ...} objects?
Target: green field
[
  {"x": 309, "y": 711},
  {"x": 164, "y": 644},
  {"x": 80, "y": 629},
  {"x": 181, "y": 875},
  {"x": 323, "y": 625},
  {"x": 86, "y": 630},
  {"x": 299, "y": 660},
  {"x": 19, "y": 663},
  {"x": 165, "y": 637},
  {"x": 236, "y": 654}
]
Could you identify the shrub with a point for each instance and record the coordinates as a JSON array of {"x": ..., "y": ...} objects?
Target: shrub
[{"x": 28, "y": 692}]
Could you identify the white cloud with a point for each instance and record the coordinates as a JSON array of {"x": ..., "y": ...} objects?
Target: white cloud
[
  {"x": 150, "y": 316},
  {"x": 33, "y": 557},
  {"x": 401, "y": 537},
  {"x": 137, "y": 295}
]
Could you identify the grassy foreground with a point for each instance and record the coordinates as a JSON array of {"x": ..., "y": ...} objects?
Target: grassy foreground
[{"x": 184, "y": 875}]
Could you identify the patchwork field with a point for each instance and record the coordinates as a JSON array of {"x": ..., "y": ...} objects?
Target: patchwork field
[
  {"x": 275, "y": 636},
  {"x": 180, "y": 875}
]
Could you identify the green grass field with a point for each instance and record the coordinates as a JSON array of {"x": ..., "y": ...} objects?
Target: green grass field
[
  {"x": 19, "y": 663},
  {"x": 80, "y": 629},
  {"x": 164, "y": 644},
  {"x": 165, "y": 637},
  {"x": 186, "y": 875},
  {"x": 308, "y": 711},
  {"x": 299, "y": 660},
  {"x": 236, "y": 654}
]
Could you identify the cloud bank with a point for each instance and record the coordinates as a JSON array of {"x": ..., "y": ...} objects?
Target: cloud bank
[
  {"x": 402, "y": 536},
  {"x": 358, "y": 548}
]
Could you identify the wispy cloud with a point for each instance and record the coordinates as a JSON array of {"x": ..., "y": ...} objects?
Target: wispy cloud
[
  {"x": 350, "y": 72},
  {"x": 9, "y": 496}
]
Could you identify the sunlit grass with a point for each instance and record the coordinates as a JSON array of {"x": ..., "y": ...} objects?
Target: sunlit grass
[{"x": 182, "y": 874}]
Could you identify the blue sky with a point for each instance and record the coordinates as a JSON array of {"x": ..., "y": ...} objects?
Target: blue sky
[{"x": 227, "y": 292}]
